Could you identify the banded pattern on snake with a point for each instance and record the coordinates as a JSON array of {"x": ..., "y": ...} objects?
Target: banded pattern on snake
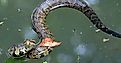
[
  {"x": 41, "y": 11},
  {"x": 40, "y": 27}
]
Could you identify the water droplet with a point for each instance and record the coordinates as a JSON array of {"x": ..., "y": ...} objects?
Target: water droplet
[
  {"x": 98, "y": 30},
  {"x": 73, "y": 30},
  {"x": 18, "y": 10},
  {"x": 90, "y": 26},
  {"x": 80, "y": 33},
  {"x": 7, "y": 29},
  {"x": 1, "y": 23},
  {"x": 19, "y": 30},
  {"x": 45, "y": 62},
  {"x": 106, "y": 40}
]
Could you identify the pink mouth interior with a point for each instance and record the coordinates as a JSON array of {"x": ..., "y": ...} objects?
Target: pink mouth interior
[{"x": 49, "y": 42}]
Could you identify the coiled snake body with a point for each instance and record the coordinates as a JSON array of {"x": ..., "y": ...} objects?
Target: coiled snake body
[{"x": 40, "y": 27}]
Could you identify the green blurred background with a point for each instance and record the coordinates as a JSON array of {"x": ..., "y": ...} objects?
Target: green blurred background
[{"x": 81, "y": 44}]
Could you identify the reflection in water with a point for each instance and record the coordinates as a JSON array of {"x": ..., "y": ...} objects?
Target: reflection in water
[
  {"x": 80, "y": 49},
  {"x": 92, "y": 2},
  {"x": 85, "y": 50},
  {"x": 4, "y": 2},
  {"x": 76, "y": 41},
  {"x": 29, "y": 33},
  {"x": 64, "y": 58}
]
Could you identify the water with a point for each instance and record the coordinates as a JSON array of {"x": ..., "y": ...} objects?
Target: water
[{"x": 83, "y": 43}]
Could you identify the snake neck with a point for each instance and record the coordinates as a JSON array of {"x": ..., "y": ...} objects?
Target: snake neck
[{"x": 40, "y": 13}]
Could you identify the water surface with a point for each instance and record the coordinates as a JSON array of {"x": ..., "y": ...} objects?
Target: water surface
[{"x": 83, "y": 45}]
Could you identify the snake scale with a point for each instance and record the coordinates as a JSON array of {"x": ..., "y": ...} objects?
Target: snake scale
[{"x": 28, "y": 48}]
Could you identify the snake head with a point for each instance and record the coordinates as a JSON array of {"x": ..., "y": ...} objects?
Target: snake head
[
  {"x": 17, "y": 50},
  {"x": 20, "y": 50}
]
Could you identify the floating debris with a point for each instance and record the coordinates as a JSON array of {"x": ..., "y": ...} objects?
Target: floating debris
[
  {"x": 106, "y": 40},
  {"x": 80, "y": 33},
  {"x": 78, "y": 59},
  {"x": 98, "y": 30},
  {"x": 7, "y": 29},
  {"x": 1, "y": 23},
  {"x": 90, "y": 26},
  {"x": 94, "y": 25},
  {"x": 18, "y": 10},
  {"x": 19, "y": 30},
  {"x": 73, "y": 30},
  {"x": 45, "y": 62}
]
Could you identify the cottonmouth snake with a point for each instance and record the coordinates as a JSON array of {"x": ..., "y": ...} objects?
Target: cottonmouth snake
[{"x": 30, "y": 50}]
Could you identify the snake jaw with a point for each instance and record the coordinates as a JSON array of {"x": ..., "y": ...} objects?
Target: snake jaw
[{"x": 49, "y": 42}]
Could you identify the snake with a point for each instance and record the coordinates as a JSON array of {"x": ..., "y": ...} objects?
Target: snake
[{"x": 41, "y": 28}]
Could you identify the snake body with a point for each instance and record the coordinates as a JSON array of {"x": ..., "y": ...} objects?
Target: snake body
[
  {"x": 40, "y": 13},
  {"x": 40, "y": 27}
]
